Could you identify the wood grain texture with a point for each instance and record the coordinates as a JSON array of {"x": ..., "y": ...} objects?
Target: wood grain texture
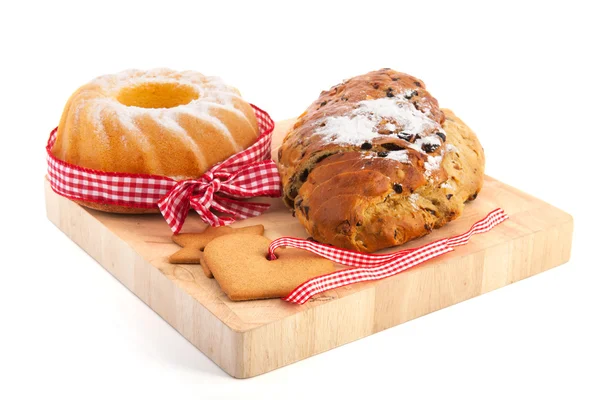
[{"x": 250, "y": 338}]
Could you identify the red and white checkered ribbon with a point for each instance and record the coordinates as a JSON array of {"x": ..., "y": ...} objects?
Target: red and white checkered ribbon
[
  {"x": 216, "y": 196},
  {"x": 369, "y": 267}
]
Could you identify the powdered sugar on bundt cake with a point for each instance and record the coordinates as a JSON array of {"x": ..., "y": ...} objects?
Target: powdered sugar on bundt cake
[{"x": 162, "y": 122}]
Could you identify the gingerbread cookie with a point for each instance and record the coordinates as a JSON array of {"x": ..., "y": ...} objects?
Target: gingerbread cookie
[
  {"x": 194, "y": 243},
  {"x": 239, "y": 263},
  {"x": 205, "y": 268}
]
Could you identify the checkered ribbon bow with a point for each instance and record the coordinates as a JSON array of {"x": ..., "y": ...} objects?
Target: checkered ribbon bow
[
  {"x": 218, "y": 190},
  {"x": 218, "y": 195},
  {"x": 369, "y": 267}
]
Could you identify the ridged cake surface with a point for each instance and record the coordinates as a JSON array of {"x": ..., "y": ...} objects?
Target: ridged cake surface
[{"x": 160, "y": 122}]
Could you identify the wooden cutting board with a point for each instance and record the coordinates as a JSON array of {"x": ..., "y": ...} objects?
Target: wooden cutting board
[{"x": 250, "y": 338}]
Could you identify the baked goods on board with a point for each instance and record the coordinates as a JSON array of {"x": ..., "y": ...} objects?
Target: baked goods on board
[
  {"x": 374, "y": 162},
  {"x": 239, "y": 265},
  {"x": 158, "y": 122},
  {"x": 194, "y": 243},
  {"x": 242, "y": 268}
]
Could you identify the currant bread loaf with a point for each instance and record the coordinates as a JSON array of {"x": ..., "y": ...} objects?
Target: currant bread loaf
[{"x": 374, "y": 162}]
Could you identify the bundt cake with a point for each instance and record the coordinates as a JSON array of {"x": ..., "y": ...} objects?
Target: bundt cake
[
  {"x": 159, "y": 122},
  {"x": 374, "y": 162}
]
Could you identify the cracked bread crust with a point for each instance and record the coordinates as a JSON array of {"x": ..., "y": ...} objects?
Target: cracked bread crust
[
  {"x": 366, "y": 198},
  {"x": 302, "y": 148}
]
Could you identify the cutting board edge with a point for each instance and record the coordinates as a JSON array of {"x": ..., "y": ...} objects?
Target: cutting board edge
[
  {"x": 242, "y": 352},
  {"x": 261, "y": 338},
  {"x": 162, "y": 295}
]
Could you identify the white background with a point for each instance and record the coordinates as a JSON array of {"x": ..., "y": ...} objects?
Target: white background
[{"x": 524, "y": 76}]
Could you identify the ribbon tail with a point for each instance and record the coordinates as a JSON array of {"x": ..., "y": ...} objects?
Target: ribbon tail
[
  {"x": 320, "y": 284},
  {"x": 175, "y": 205},
  {"x": 203, "y": 203},
  {"x": 370, "y": 267}
]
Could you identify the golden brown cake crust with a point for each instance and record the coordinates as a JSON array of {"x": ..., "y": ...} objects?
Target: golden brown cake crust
[
  {"x": 397, "y": 187},
  {"x": 155, "y": 122}
]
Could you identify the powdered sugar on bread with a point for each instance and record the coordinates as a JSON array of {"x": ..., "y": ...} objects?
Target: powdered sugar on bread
[
  {"x": 362, "y": 124},
  {"x": 395, "y": 115}
]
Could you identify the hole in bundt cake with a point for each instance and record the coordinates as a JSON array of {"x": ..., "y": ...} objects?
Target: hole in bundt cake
[{"x": 157, "y": 95}]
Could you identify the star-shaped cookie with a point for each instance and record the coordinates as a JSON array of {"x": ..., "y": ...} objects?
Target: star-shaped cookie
[{"x": 193, "y": 243}]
